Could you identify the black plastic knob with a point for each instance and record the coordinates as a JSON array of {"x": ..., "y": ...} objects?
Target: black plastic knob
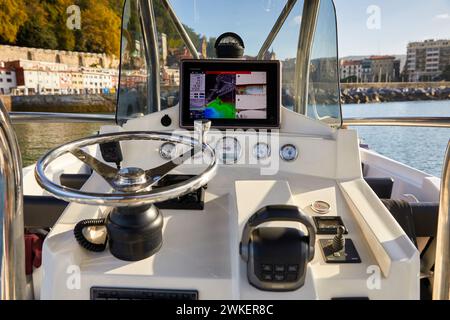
[{"x": 166, "y": 121}]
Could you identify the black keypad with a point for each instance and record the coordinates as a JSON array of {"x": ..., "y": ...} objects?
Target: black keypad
[{"x": 279, "y": 272}]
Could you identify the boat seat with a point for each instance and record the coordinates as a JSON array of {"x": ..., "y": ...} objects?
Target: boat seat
[
  {"x": 381, "y": 186},
  {"x": 42, "y": 212},
  {"x": 416, "y": 219},
  {"x": 74, "y": 181},
  {"x": 425, "y": 216},
  {"x": 419, "y": 220}
]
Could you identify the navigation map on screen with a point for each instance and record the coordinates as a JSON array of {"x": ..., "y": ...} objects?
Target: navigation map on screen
[{"x": 228, "y": 95}]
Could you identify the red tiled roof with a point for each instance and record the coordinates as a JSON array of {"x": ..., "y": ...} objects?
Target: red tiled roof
[
  {"x": 350, "y": 62},
  {"x": 382, "y": 57}
]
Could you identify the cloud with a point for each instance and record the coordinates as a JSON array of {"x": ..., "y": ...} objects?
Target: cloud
[
  {"x": 297, "y": 20},
  {"x": 442, "y": 16}
]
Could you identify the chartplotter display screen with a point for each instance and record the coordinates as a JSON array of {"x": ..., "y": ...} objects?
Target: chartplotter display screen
[{"x": 230, "y": 93}]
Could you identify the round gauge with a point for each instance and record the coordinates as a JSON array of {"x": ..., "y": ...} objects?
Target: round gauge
[
  {"x": 288, "y": 152},
  {"x": 261, "y": 150},
  {"x": 167, "y": 151},
  {"x": 229, "y": 150}
]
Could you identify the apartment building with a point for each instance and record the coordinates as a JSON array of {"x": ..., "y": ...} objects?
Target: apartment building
[
  {"x": 351, "y": 68},
  {"x": 35, "y": 77},
  {"x": 98, "y": 80},
  {"x": 427, "y": 59},
  {"x": 371, "y": 69}
]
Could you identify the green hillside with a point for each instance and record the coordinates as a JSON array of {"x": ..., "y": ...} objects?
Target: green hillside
[{"x": 42, "y": 24}]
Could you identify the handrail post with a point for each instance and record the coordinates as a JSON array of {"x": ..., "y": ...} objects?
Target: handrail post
[
  {"x": 13, "y": 278},
  {"x": 150, "y": 35},
  {"x": 441, "y": 283},
  {"x": 308, "y": 25}
]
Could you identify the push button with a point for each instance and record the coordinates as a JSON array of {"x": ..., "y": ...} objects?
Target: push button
[
  {"x": 267, "y": 277},
  {"x": 291, "y": 277},
  {"x": 279, "y": 277},
  {"x": 279, "y": 268},
  {"x": 293, "y": 268},
  {"x": 266, "y": 267}
]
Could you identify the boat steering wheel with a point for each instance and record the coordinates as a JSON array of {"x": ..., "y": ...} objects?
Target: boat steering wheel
[{"x": 132, "y": 186}]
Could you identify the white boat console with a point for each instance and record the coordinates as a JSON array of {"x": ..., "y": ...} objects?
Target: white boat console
[{"x": 200, "y": 257}]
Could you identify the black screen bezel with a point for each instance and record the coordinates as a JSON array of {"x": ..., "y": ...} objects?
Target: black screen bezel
[{"x": 272, "y": 68}]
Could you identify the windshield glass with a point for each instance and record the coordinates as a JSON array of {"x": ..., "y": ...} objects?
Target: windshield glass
[
  {"x": 323, "y": 92},
  {"x": 204, "y": 21}
]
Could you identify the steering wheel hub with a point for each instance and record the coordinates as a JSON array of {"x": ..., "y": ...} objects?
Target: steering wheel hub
[{"x": 130, "y": 179}]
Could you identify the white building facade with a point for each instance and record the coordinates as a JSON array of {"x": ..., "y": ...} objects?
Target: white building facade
[
  {"x": 7, "y": 80},
  {"x": 351, "y": 68},
  {"x": 33, "y": 77}
]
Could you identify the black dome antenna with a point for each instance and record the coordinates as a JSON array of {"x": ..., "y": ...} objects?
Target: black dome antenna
[{"x": 229, "y": 45}]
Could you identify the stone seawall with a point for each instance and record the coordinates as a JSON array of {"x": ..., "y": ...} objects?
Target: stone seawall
[
  {"x": 71, "y": 58},
  {"x": 65, "y": 103},
  {"x": 371, "y": 95}
]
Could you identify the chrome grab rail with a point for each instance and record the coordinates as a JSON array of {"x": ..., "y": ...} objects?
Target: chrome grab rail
[
  {"x": 310, "y": 15},
  {"x": 39, "y": 117},
  {"x": 13, "y": 278},
  {"x": 180, "y": 28},
  {"x": 441, "y": 283},
  {"x": 436, "y": 122},
  {"x": 276, "y": 28},
  {"x": 150, "y": 35}
]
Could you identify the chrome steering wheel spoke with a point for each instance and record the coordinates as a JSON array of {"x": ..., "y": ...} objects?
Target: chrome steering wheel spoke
[
  {"x": 105, "y": 171},
  {"x": 156, "y": 174}
]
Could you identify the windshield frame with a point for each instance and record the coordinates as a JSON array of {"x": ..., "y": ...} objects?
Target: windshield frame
[{"x": 307, "y": 37}]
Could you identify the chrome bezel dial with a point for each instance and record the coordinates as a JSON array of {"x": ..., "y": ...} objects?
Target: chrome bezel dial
[
  {"x": 261, "y": 151},
  {"x": 233, "y": 154},
  {"x": 289, "y": 152},
  {"x": 168, "y": 151}
]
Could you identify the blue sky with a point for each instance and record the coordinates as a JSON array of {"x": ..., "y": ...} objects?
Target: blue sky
[{"x": 400, "y": 21}]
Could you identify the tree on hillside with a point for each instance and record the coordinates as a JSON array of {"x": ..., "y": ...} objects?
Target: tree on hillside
[
  {"x": 42, "y": 24},
  {"x": 100, "y": 28},
  {"x": 12, "y": 17},
  {"x": 38, "y": 31}
]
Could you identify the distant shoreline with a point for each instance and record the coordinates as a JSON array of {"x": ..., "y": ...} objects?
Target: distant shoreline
[
  {"x": 394, "y": 92},
  {"x": 351, "y": 93}
]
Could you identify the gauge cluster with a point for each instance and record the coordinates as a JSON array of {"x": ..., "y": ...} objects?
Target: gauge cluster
[{"x": 229, "y": 151}]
